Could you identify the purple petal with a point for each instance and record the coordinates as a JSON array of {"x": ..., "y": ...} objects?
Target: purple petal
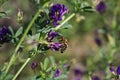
[
  {"x": 34, "y": 65},
  {"x": 51, "y": 35},
  {"x": 3, "y": 35},
  {"x": 112, "y": 69},
  {"x": 101, "y": 7},
  {"x": 57, "y": 73},
  {"x": 55, "y": 46},
  {"x": 56, "y": 13},
  {"x": 5, "y": 30},
  {"x": 95, "y": 78},
  {"x": 118, "y": 70},
  {"x": 78, "y": 72},
  {"x": 78, "y": 79},
  {"x": 98, "y": 41}
]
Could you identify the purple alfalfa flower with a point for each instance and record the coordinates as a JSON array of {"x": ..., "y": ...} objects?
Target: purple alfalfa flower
[
  {"x": 78, "y": 79},
  {"x": 112, "y": 69},
  {"x": 98, "y": 41},
  {"x": 34, "y": 65},
  {"x": 51, "y": 35},
  {"x": 78, "y": 72},
  {"x": 101, "y": 7},
  {"x": 4, "y": 32},
  {"x": 56, "y": 13},
  {"x": 95, "y": 78},
  {"x": 66, "y": 65},
  {"x": 55, "y": 46},
  {"x": 118, "y": 70},
  {"x": 57, "y": 73},
  {"x": 97, "y": 38},
  {"x": 115, "y": 72}
]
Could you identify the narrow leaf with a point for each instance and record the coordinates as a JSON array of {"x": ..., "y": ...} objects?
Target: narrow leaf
[
  {"x": 41, "y": 64},
  {"x": 19, "y": 32},
  {"x": 46, "y": 61},
  {"x": 11, "y": 30}
]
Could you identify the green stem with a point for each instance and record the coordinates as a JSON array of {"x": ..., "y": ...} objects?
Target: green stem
[
  {"x": 71, "y": 16},
  {"x": 19, "y": 71},
  {"x": 20, "y": 42}
]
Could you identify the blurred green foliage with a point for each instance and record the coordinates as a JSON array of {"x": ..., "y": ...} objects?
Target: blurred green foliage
[{"x": 80, "y": 35}]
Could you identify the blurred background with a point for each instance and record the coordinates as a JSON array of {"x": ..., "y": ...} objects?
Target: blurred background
[{"x": 85, "y": 39}]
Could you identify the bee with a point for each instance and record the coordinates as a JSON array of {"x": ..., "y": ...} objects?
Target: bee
[{"x": 64, "y": 44}]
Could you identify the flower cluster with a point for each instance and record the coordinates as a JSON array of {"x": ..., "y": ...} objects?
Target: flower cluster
[
  {"x": 97, "y": 38},
  {"x": 34, "y": 65},
  {"x": 57, "y": 73},
  {"x": 56, "y": 13},
  {"x": 115, "y": 72},
  {"x": 4, "y": 32},
  {"x": 78, "y": 72},
  {"x": 101, "y": 7},
  {"x": 53, "y": 44},
  {"x": 52, "y": 35},
  {"x": 95, "y": 78}
]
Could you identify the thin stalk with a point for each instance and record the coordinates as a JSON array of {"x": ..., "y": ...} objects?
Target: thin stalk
[
  {"x": 19, "y": 71},
  {"x": 20, "y": 42},
  {"x": 66, "y": 20}
]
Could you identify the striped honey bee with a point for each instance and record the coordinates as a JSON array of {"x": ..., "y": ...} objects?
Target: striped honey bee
[{"x": 64, "y": 42}]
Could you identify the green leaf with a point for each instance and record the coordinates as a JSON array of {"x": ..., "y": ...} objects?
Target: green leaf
[
  {"x": 47, "y": 11},
  {"x": 13, "y": 41},
  {"x": 19, "y": 32},
  {"x": 36, "y": 78},
  {"x": 16, "y": 39},
  {"x": 41, "y": 64},
  {"x": 52, "y": 60},
  {"x": 49, "y": 79},
  {"x": 2, "y": 14},
  {"x": 61, "y": 77},
  {"x": 11, "y": 30},
  {"x": 52, "y": 74},
  {"x": 66, "y": 26},
  {"x": 9, "y": 77},
  {"x": 88, "y": 9},
  {"x": 37, "y": 36},
  {"x": 46, "y": 62},
  {"x": 48, "y": 69}
]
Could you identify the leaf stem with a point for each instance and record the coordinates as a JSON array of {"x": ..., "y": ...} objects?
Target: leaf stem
[
  {"x": 66, "y": 20},
  {"x": 19, "y": 71},
  {"x": 20, "y": 42}
]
